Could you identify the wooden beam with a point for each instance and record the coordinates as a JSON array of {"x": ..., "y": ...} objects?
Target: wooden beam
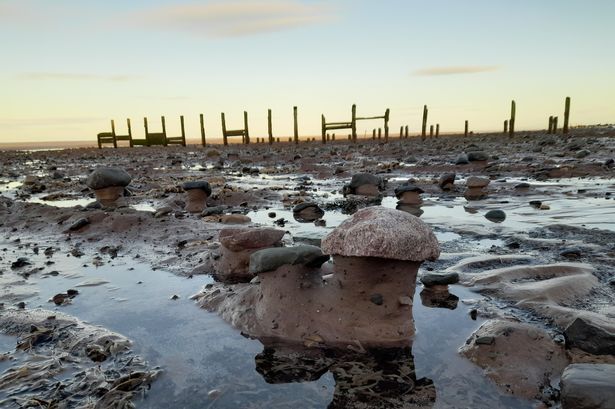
[
  {"x": 202, "y": 121},
  {"x": 224, "y": 137},
  {"x": 245, "y": 124},
  {"x": 296, "y": 126},
  {"x": 269, "y": 127}
]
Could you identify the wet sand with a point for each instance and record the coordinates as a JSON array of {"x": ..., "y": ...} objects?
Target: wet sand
[{"x": 43, "y": 195}]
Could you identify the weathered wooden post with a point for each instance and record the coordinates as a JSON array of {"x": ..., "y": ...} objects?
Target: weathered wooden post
[
  {"x": 506, "y": 126},
  {"x": 296, "y": 127},
  {"x": 554, "y": 124},
  {"x": 511, "y": 124},
  {"x": 164, "y": 130},
  {"x": 269, "y": 127},
  {"x": 465, "y": 130},
  {"x": 437, "y": 130},
  {"x": 386, "y": 125},
  {"x": 354, "y": 123},
  {"x": 202, "y": 120},
  {"x": 129, "y": 132},
  {"x": 379, "y": 133},
  {"x": 224, "y": 138},
  {"x": 550, "y": 129},
  {"x": 406, "y": 135},
  {"x": 566, "y": 115},
  {"x": 431, "y": 131},
  {"x": 245, "y": 123},
  {"x": 113, "y": 132},
  {"x": 328, "y": 137},
  {"x": 333, "y": 137},
  {"x": 374, "y": 134},
  {"x": 401, "y": 132},
  {"x": 324, "y": 130},
  {"x": 424, "y": 128},
  {"x": 277, "y": 139}
]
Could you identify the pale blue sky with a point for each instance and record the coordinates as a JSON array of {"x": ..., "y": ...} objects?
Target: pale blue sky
[{"x": 69, "y": 66}]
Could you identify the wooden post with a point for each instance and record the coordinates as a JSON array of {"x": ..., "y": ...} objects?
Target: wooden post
[
  {"x": 129, "y": 132},
  {"x": 181, "y": 121},
  {"x": 146, "y": 131},
  {"x": 202, "y": 129},
  {"x": 437, "y": 130},
  {"x": 386, "y": 126},
  {"x": 424, "y": 128},
  {"x": 269, "y": 126},
  {"x": 328, "y": 137},
  {"x": 506, "y": 126},
  {"x": 554, "y": 125},
  {"x": 333, "y": 137},
  {"x": 401, "y": 132},
  {"x": 354, "y": 123},
  {"x": 379, "y": 133},
  {"x": 430, "y": 131},
  {"x": 296, "y": 128},
  {"x": 511, "y": 124},
  {"x": 406, "y": 135},
  {"x": 113, "y": 132},
  {"x": 224, "y": 137},
  {"x": 465, "y": 131},
  {"x": 566, "y": 115},
  {"x": 374, "y": 134},
  {"x": 324, "y": 130},
  {"x": 550, "y": 128},
  {"x": 245, "y": 124},
  {"x": 164, "y": 130}
]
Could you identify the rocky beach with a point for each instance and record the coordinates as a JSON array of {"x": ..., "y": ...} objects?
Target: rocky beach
[{"x": 447, "y": 272}]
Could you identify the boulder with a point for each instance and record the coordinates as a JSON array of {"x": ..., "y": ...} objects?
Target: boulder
[
  {"x": 588, "y": 386},
  {"x": 590, "y": 337}
]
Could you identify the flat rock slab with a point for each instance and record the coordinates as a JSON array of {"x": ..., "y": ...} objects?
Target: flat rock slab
[{"x": 588, "y": 386}]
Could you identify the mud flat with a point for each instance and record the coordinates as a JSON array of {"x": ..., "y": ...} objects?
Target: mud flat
[{"x": 100, "y": 295}]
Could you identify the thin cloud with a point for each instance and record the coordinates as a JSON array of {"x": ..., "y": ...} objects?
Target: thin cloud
[
  {"x": 237, "y": 18},
  {"x": 456, "y": 70},
  {"x": 67, "y": 76}
]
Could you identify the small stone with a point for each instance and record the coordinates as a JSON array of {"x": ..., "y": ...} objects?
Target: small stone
[
  {"x": 544, "y": 206},
  {"x": 477, "y": 156},
  {"x": 163, "y": 211},
  {"x": 571, "y": 253},
  {"x": 270, "y": 259},
  {"x": 485, "y": 340},
  {"x": 79, "y": 224},
  {"x": 377, "y": 299},
  {"x": 477, "y": 182},
  {"x": 496, "y": 216},
  {"x": 214, "y": 394},
  {"x": 59, "y": 299},
  {"x": 446, "y": 181},
  {"x": 462, "y": 159},
  {"x": 19, "y": 263},
  {"x": 432, "y": 279},
  {"x": 272, "y": 215},
  {"x": 404, "y": 300},
  {"x": 175, "y": 297},
  {"x": 535, "y": 203},
  {"x": 522, "y": 185}
]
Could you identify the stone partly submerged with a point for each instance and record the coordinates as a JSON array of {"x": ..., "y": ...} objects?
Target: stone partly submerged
[
  {"x": 361, "y": 300},
  {"x": 108, "y": 184},
  {"x": 364, "y": 184}
]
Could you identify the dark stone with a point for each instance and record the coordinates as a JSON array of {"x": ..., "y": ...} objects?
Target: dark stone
[
  {"x": 582, "y": 154},
  {"x": 588, "y": 386},
  {"x": 535, "y": 203},
  {"x": 571, "y": 253},
  {"x": 462, "y": 159},
  {"x": 361, "y": 179},
  {"x": 522, "y": 185},
  {"x": 198, "y": 184},
  {"x": 272, "y": 258},
  {"x": 477, "y": 156},
  {"x": 376, "y": 299},
  {"x": 496, "y": 216},
  {"x": 104, "y": 177},
  {"x": 589, "y": 337},
  {"x": 609, "y": 162},
  {"x": 272, "y": 215},
  {"x": 486, "y": 340},
  {"x": 215, "y": 210},
  {"x": 20, "y": 262},
  {"x": 307, "y": 212},
  {"x": 407, "y": 187},
  {"x": 446, "y": 181},
  {"x": 79, "y": 224},
  {"x": 431, "y": 279}
]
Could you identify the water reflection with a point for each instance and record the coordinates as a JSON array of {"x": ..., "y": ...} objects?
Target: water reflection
[
  {"x": 414, "y": 210},
  {"x": 375, "y": 378},
  {"x": 438, "y": 298}
]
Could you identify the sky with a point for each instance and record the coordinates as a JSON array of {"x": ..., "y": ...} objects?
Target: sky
[{"x": 69, "y": 66}]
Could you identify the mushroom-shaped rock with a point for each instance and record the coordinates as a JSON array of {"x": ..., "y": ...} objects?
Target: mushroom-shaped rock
[
  {"x": 197, "y": 193},
  {"x": 365, "y": 184},
  {"x": 307, "y": 212},
  {"x": 237, "y": 245},
  {"x": 273, "y": 258},
  {"x": 409, "y": 194},
  {"x": 447, "y": 181},
  {"x": 108, "y": 183},
  {"x": 385, "y": 233},
  {"x": 476, "y": 188}
]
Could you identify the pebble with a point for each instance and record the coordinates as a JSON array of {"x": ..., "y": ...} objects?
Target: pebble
[{"x": 496, "y": 216}]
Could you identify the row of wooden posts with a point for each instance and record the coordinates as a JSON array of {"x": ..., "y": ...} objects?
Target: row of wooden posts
[{"x": 161, "y": 138}]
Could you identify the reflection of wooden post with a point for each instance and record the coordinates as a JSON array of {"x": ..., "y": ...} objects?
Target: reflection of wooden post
[
  {"x": 566, "y": 115},
  {"x": 129, "y": 131},
  {"x": 554, "y": 128},
  {"x": 386, "y": 126},
  {"x": 511, "y": 124},
  {"x": 424, "y": 128},
  {"x": 437, "y": 130},
  {"x": 202, "y": 120},
  {"x": 296, "y": 125},
  {"x": 245, "y": 123},
  {"x": 506, "y": 126},
  {"x": 269, "y": 126},
  {"x": 354, "y": 123},
  {"x": 324, "y": 130},
  {"x": 406, "y": 135},
  {"x": 224, "y": 137},
  {"x": 465, "y": 131},
  {"x": 431, "y": 131}
]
